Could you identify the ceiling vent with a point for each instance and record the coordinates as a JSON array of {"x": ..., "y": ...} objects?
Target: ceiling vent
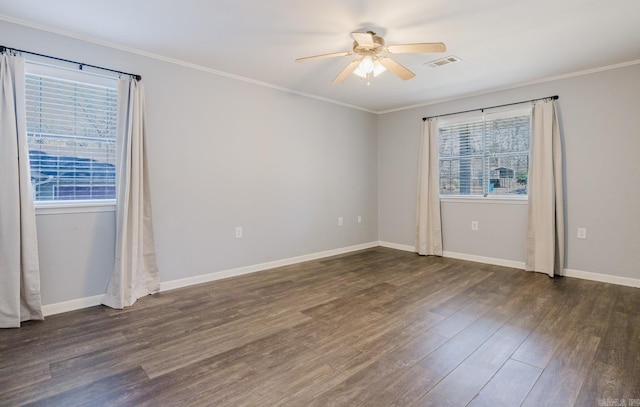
[{"x": 443, "y": 61}]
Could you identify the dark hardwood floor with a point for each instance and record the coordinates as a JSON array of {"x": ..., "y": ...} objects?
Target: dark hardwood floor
[{"x": 373, "y": 328}]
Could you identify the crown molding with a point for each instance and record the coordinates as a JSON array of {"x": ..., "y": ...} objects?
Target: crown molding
[
  {"x": 516, "y": 86},
  {"x": 174, "y": 61}
]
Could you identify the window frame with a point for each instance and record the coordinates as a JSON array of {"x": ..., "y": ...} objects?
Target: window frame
[
  {"x": 50, "y": 207},
  {"x": 479, "y": 115}
]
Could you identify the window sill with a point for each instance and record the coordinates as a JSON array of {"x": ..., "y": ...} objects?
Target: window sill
[
  {"x": 55, "y": 208},
  {"x": 500, "y": 200}
]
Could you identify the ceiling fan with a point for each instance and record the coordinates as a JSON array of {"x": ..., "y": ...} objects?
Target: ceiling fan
[{"x": 373, "y": 56}]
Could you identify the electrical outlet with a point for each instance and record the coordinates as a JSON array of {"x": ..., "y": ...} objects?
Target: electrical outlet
[
  {"x": 238, "y": 232},
  {"x": 582, "y": 233},
  {"x": 359, "y": 219},
  {"x": 340, "y": 221},
  {"x": 474, "y": 225}
]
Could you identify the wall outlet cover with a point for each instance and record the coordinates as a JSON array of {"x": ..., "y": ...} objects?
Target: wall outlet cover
[{"x": 582, "y": 233}]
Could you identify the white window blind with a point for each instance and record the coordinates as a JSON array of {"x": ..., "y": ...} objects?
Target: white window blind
[
  {"x": 71, "y": 133},
  {"x": 485, "y": 154}
]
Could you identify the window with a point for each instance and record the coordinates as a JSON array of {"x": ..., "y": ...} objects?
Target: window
[
  {"x": 485, "y": 154},
  {"x": 71, "y": 134}
]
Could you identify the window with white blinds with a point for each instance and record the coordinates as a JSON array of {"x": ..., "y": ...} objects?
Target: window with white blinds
[
  {"x": 486, "y": 154},
  {"x": 71, "y": 134}
]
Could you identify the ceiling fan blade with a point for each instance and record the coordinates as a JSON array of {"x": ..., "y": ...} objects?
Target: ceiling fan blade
[
  {"x": 402, "y": 72},
  {"x": 415, "y": 48},
  {"x": 347, "y": 71},
  {"x": 331, "y": 55},
  {"x": 363, "y": 39}
]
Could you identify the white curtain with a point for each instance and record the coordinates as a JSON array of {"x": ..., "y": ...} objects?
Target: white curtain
[
  {"x": 545, "y": 233},
  {"x": 135, "y": 272},
  {"x": 429, "y": 228},
  {"x": 19, "y": 266}
]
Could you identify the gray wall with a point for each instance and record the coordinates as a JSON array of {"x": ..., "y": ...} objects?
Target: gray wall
[
  {"x": 600, "y": 118},
  {"x": 76, "y": 254},
  {"x": 222, "y": 153}
]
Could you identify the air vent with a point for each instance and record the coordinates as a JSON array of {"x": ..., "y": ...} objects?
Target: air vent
[{"x": 443, "y": 61}]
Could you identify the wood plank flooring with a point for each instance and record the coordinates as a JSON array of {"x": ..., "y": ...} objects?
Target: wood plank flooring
[{"x": 378, "y": 327}]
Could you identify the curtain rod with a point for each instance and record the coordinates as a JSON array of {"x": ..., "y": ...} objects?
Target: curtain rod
[
  {"x": 80, "y": 64},
  {"x": 554, "y": 97}
]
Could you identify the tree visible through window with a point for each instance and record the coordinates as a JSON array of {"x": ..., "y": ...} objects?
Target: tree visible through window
[
  {"x": 71, "y": 133},
  {"x": 485, "y": 155}
]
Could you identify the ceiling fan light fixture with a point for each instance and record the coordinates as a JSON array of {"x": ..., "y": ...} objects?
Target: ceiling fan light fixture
[
  {"x": 369, "y": 67},
  {"x": 366, "y": 65},
  {"x": 378, "y": 68}
]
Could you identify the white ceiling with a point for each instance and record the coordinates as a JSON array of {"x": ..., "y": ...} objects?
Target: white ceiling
[{"x": 502, "y": 43}]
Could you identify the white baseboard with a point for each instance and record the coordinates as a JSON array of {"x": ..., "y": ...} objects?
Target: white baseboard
[
  {"x": 72, "y": 305},
  {"x": 205, "y": 278},
  {"x": 459, "y": 256},
  {"x": 397, "y": 246},
  {"x": 585, "y": 275},
  {"x": 603, "y": 278},
  {"x": 86, "y": 302},
  {"x": 485, "y": 260}
]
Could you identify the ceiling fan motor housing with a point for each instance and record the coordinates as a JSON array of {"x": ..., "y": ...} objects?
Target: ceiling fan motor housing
[{"x": 374, "y": 48}]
